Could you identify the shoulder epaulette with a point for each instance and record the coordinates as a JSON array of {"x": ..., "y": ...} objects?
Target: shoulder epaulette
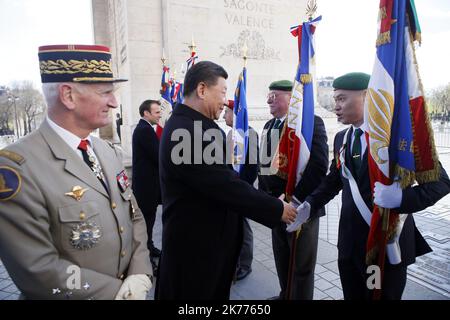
[{"x": 17, "y": 158}]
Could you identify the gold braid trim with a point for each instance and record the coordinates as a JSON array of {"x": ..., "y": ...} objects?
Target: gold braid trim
[
  {"x": 306, "y": 78},
  {"x": 433, "y": 174},
  {"x": 61, "y": 66},
  {"x": 382, "y": 13},
  {"x": 407, "y": 177},
  {"x": 384, "y": 38},
  {"x": 372, "y": 254},
  {"x": 17, "y": 158}
]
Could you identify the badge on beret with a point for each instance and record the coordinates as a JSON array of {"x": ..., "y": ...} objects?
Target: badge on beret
[
  {"x": 122, "y": 181},
  {"x": 85, "y": 235},
  {"x": 10, "y": 183}
]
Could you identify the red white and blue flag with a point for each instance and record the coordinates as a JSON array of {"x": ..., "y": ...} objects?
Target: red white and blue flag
[
  {"x": 166, "y": 101},
  {"x": 191, "y": 61},
  {"x": 295, "y": 143},
  {"x": 400, "y": 139}
]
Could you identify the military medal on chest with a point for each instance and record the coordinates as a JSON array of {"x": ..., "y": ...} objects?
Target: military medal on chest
[
  {"x": 96, "y": 168},
  {"x": 85, "y": 235}
]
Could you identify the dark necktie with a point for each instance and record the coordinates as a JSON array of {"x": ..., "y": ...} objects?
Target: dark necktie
[
  {"x": 356, "y": 151},
  {"x": 91, "y": 161},
  {"x": 277, "y": 123}
]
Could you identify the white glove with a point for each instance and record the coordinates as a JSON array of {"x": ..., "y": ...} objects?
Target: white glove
[
  {"x": 387, "y": 196},
  {"x": 303, "y": 212},
  {"x": 134, "y": 287}
]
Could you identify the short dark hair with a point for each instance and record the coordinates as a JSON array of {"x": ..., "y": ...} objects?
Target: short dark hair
[
  {"x": 146, "y": 106},
  {"x": 203, "y": 71}
]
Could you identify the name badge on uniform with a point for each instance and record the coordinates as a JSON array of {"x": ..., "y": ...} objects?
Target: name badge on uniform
[{"x": 122, "y": 181}]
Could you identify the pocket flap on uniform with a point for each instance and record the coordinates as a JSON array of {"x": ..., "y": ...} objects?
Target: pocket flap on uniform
[
  {"x": 126, "y": 195},
  {"x": 78, "y": 212}
]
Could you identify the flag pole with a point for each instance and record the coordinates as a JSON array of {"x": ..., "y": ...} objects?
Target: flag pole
[
  {"x": 385, "y": 213},
  {"x": 192, "y": 46},
  {"x": 163, "y": 58},
  {"x": 311, "y": 9},
  {"x": 244, "y": 54}
]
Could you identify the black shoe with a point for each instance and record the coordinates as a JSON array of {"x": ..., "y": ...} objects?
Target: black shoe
[
  {"x": 242, "y": 273},
  {"x": 155, "y": 252}
]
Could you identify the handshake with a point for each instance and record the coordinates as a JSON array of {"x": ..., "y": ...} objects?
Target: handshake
[{"x": 295, "y": 213}]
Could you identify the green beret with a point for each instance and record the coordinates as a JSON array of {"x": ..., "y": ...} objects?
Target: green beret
[
  {"x": 283, "y": 85},
  {"x": 352, "y": 81}
]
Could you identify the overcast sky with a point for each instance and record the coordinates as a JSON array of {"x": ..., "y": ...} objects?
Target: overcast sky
[{"x": 345, "y": 39}]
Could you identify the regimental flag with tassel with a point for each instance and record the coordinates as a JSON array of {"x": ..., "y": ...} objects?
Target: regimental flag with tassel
[
  {"x": 400, "y": 138},
  {"x": 240, "y": 123},
  {"x": 296, "y": 139},
  {"x": 166, "y": 101}
]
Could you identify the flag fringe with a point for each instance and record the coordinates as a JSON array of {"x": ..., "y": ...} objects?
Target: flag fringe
[
  {"x": 407, "y": 177},
  {"x": 384, "y": 38},
  {"x": 372, "y": 254},
  {"x": 433, "y": 174}
]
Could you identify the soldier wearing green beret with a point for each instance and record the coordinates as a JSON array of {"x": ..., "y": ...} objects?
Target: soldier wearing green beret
[
  {"x": 349, "y": 174},
  {"x": 302, "y": 286}
]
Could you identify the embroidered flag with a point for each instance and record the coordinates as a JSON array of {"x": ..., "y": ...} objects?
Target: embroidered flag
[
  {"x": 295, "y": 143},
  {"x": 400, "y": 139}
]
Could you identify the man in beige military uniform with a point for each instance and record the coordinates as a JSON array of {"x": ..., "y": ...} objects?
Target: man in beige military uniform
[{"x": 69, "y": 223}]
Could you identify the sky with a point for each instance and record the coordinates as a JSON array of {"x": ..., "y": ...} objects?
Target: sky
[{"x": 345, "y": 38}]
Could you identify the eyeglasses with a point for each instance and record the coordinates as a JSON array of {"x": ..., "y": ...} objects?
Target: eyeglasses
[{"x": 273, "y": 95}]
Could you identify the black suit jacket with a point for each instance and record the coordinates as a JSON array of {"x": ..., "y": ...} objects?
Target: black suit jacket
[
  {"x": 203, "y": 209},
  {"x": 315, "y": 170},
  {"x": 353, "y": 230},
  {"x": 145, "y": 179}
]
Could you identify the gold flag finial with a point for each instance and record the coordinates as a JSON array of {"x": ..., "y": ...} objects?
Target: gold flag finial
[
  {"x": 163, "y": 58},
  {"x": 192, "y": 46},
  {"x": 311, "y": 9},
  {"x": 244, "y": 53}
]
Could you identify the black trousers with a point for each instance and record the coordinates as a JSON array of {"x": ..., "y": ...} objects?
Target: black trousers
[
  {"x": 353, "y": 273},
  {"x": 246, "y": 254},
  {"x": 149, "y": 213}
]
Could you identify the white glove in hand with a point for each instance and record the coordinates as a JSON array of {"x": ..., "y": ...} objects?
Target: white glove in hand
[
  {"x": 134, "y": 287},
  {"x": 387, "y": 196},
  {"x": 303, "y": 212}
]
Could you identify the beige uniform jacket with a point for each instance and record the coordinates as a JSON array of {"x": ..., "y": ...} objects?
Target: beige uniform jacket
[{"x": 39, "y": 224}]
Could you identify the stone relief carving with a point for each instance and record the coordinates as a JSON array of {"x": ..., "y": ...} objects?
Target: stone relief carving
[{"x": 256, "y": 45}]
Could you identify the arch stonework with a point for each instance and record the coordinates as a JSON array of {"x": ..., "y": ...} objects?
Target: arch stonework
[{"x": 137, "y": 31}]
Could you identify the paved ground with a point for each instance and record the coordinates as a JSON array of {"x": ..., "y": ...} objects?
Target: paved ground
[{"x": 428, "y": 279}]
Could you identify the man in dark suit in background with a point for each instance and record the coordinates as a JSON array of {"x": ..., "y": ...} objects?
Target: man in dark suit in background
[
  {"x": 145, "y": 168},
  {"x": 349, "y": 95},
  {"x": 306, "y": 247}
]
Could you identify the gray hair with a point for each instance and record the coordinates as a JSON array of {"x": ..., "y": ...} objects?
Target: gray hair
[{"x": 51, "y": 93}]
